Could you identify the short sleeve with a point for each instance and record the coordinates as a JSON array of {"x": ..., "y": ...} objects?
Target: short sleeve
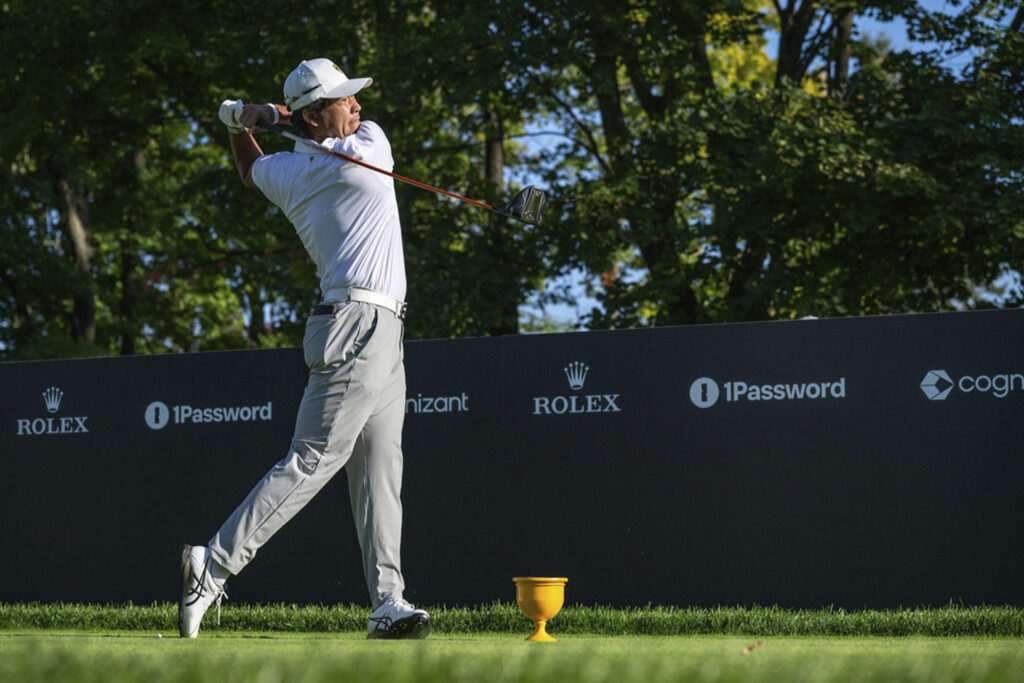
[
  {"x": 376, "y": 144},
  {"x": 266, "y": 175}
]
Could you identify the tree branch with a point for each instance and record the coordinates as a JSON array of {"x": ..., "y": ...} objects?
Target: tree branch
[
  {"x": 793, "y": 30},
  {"x": 653, "y": 105},
  {"x": 591, "y": 142},
  {"x": 783, "y": 13},
  {"x": 815, "y": 44}
]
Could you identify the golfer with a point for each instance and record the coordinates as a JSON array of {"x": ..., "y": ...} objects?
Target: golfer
[{"x": 354, "y": 404}]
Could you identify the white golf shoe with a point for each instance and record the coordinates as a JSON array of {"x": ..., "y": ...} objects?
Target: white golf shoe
[
  {"x": 199, "y": 590},
  {"x": 396, "y": 618}
]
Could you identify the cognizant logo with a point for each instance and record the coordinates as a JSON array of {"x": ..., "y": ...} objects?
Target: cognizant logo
[
  {"x": 937, "y": 384},
  {"x": 437, "y": 404}
]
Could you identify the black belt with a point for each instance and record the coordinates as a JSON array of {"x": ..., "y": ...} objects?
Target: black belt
[
  {"x": 329, "y": 309},
  {"x": 323, "y": 309}
]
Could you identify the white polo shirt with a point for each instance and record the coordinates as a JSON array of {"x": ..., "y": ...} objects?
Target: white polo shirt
[{"x": 346, "y": 215}]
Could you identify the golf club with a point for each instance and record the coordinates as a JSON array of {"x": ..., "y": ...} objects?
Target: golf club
[{"x": 527, "y": 206}]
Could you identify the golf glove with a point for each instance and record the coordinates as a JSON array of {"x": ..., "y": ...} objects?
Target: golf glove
[{"x": 231, "y": 114}]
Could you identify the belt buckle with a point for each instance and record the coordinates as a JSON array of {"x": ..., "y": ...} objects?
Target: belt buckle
[
  {"x": 402, "y": 306},
  {"x": 333, "y": 306}
]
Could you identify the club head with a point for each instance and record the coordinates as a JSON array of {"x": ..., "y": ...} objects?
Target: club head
[{"x": 528, "y": 205}]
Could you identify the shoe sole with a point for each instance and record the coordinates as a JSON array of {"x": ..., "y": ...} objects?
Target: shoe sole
[
  {"x": 410, "y": 628},
  {"x": 186, "y": 579}
]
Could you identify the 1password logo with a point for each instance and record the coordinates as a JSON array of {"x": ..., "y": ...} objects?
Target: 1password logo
[
  {"x": 705, "y": 392},
  {"x": 159, "y": 414}
]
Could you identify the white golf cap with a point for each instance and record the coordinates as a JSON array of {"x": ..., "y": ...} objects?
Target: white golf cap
[{"x": 319, "y": 78}]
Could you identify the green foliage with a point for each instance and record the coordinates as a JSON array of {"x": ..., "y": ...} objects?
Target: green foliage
[
  {"x": 750, "y": 197},
  {"x": 693, "y": 177}
]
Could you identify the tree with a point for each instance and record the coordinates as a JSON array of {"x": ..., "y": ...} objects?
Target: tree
[
  {"x": 109, "y": 181},
  {"x": 697, "y": 179},
  {"x": 818, "y": 188}
]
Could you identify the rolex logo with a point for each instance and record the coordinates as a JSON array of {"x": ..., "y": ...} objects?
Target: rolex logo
[
  {"x": 52, "y": 397},
  {"x": 39, "y": 426},
  {"x": 576, "y": 373},
  {"x": 575, "y": 404}
]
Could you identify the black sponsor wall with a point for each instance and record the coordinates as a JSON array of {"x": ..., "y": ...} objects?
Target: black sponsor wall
[{"x": 670, "y": 466}]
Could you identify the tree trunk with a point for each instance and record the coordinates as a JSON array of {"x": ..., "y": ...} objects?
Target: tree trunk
[
  {"x": 83, "y": 316},
  {"x": 494, "y": 161},
  {"x": 129, "y": 280},
  {"x": 616, "y": 135},
  {"x": 127, "y": 308},
  {"x": 794, "y": 23},
  {"x": 506, "y": 286},
  {"x": 843, "y": 21},
  {"x": 746, "y": 265},
  {"x": 257, "y": 325}
]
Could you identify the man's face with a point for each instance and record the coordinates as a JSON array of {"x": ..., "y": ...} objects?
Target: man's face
[{"x": 339, "y": 119}]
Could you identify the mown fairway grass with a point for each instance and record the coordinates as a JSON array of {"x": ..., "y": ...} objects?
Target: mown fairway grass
[
  {"x": 276, "y": 643},
  {"x": 123, "y": 657}
]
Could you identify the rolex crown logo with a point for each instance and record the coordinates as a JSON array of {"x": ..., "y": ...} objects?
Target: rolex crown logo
[
  {"x": 52, "y": 397},
  {"x": 576, "y": 373}
]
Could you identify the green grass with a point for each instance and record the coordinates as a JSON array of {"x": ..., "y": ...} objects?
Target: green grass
[
  {"x": 222, "y": 657},
  {"x": 505, "y": 618},
  {"x": 314, "y": 644}
]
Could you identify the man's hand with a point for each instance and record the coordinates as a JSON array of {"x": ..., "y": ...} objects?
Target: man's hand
[
  {"x": 231, "y": 115},
  {"x": 240, "y": 117},
  {"x": 242, "y": 120}
]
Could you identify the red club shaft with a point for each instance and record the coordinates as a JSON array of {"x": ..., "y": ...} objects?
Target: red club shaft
[{"x": 396, "y": 176}]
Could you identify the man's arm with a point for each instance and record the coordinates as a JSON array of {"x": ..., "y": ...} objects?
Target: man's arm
[
  {"x": 244, "y": 148},
  {"x": 245, "y": 151}
]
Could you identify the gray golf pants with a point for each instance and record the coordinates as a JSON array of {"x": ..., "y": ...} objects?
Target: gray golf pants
[{"x": 351, "y": 416}]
